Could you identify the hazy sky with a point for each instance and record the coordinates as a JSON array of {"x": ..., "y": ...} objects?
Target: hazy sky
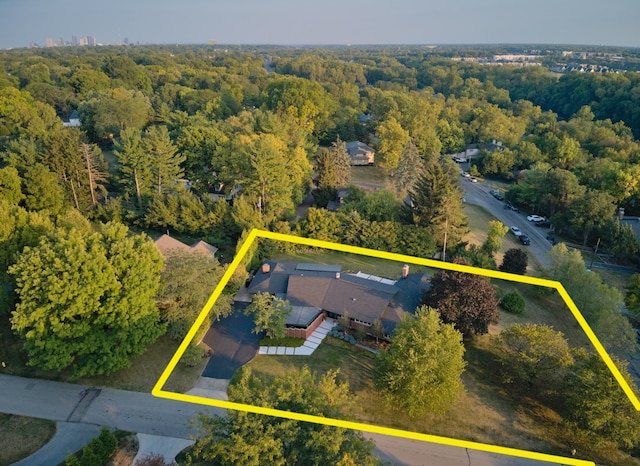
[{"x": 599, "y": 22}]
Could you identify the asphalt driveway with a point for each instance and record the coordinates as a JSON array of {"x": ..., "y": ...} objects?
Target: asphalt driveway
[{"x": 232, "y": 342}]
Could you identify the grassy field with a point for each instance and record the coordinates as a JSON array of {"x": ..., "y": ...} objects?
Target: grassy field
[
  {"x": 21, "y": 436},
  {"x": 484, "y": 413},
  {"x": 146, "y": 369},
  {"x": 370, "y": 177}
]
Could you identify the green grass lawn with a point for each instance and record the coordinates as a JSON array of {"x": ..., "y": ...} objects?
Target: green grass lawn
[
  {"x": 145, "y": 370},
  {"x": 481, "y": 414},
  {"x": 370, "y": 176},
  {"x": 484, "y": 413}
]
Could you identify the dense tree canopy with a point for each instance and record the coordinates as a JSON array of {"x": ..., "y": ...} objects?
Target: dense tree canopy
[
  {"x": 86, "y": 300},
  {"x": 188, "y": 279},
  {"x": 255, "y": 439}
]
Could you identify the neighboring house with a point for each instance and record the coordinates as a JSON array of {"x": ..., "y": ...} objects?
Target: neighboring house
[
  {"x": 73, "y": 121},
  {"x": 341, "y": 195},
  {"x": 166, "y": 244},
  {"x": 360, "y": 153},
  {"x": 317, "y": 290},
  {"x": 364, "y": 118},
  {"x": 226, "y": 191},
  {"x": 472, "y": 151}
]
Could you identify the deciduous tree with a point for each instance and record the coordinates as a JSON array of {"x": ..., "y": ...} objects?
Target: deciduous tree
[
  {"x": 514, "y": 261},
  {"x": 595, "y": 403},
  {"x": 534, "y": 356},
  {"x": 420, "y": 371},
  {"x": 496, "y": 232},
  {"x": 87, "y": 300},
  {"x": 270, "y": 314},
  {"x": 255, "y": 440},
  {"x": 464, "y": 299},
  {"x": 188, "y": 279},
  {"x": 393, "y": 138}
]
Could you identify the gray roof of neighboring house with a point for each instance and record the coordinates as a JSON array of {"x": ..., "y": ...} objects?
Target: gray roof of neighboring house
[{"x": 357, "y": 148}]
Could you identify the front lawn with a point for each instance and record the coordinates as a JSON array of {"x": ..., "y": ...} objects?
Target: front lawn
[
  {"x": 22, "y": 436},
  {"x": 485, "y": 413}
]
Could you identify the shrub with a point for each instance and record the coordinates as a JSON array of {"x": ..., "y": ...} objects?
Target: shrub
[
  {"x": 513, "y": 303},
  {"x": 192, "y": 356}
]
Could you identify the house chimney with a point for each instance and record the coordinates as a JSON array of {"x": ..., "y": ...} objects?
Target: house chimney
[
  {"x": 337, "y": 275},
  {"x": 266, "y": 268},
  {"x": 405, "y": 271}
]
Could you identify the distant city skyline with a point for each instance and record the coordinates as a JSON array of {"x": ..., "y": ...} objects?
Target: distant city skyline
[{"x": 298, "y": 22}]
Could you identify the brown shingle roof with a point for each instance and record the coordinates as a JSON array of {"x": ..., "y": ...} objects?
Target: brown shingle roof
[
  {"x": 166, "y": 244},
  {"x": 361, "y": 302}
]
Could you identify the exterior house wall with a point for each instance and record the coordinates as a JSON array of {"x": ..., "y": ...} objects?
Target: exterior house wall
[{"x": 305, "y": 332}]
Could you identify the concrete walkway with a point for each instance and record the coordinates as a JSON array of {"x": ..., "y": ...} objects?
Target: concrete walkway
[
  {"x": 168, "y": 447},
  {"x": 309, "y": 346}
]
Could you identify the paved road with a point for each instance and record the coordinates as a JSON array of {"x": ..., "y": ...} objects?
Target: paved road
[
  {"x": 88, "y": 407},
  {"x": 232, "y": 342},
  {"x": 406, "y": 452},
  {"x": 120, "y": 409},
  {"x": 478, "y": 194}
]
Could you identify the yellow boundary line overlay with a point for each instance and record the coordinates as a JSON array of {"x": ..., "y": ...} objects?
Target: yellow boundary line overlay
[{"x": 255, "y": 233}]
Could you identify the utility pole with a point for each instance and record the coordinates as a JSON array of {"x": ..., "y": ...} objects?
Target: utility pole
[{"x": 595, "y": 252}]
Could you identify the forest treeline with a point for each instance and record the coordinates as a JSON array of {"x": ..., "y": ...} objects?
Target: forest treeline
[{"x": 207, "y": 143}]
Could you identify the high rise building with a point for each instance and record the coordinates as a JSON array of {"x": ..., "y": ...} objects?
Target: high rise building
[
  {"x": 74, "y": 40},
  {"x": 49, "y": 42}
]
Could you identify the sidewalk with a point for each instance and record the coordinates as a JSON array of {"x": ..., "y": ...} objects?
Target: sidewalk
[{"x": 309, "y": 346}]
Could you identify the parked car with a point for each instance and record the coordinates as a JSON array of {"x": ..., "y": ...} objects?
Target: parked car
[
  {"x": 509, "y": 205},
  {"x": 535, "y": 218},
  {"x": 524, "y": 240},
  {"x": 465, "y": 175},
  {"x": 516, "y": 231},
  {"x": 473, "y": 180},
  {"x": 495, "y": 193},
  {"x": 544, "y": 224}
]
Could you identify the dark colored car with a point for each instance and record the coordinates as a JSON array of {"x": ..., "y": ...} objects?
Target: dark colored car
[
  {"x": 524, "y": 240},
  {"x": 509, "y": 205}
]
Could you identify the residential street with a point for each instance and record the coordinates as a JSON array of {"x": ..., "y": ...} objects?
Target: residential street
[
  {"x": 143, "y": 413},
  {"x": 120, "y": 409},
  {"x": 478, "y": 194}
]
